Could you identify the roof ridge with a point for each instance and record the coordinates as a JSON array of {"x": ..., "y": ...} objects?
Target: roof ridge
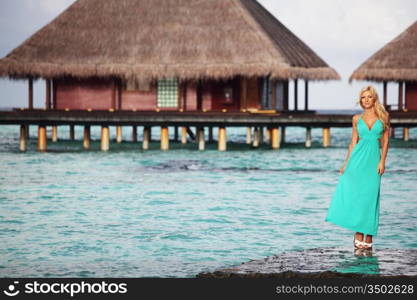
[{"x": 251, "y": 21}]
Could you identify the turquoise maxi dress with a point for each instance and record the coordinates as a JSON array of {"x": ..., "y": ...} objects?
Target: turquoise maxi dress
[{"x": 355, "y": 203}]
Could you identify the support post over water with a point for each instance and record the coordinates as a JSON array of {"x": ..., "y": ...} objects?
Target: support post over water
[
  {"x": 105, "y": 138},
  {"x": 164, "y": 138},
  {"x": 54, "y": 133},
  {"x": 23, "y": 137},
  {"x": 306, "y": 95},
  {"x": 256, "y": 137},
  {"x": 72, "y": 132},
  {"x": 248, "y": 135},
  {"x": 406, "y": 133},
  {"x": 134, "y": 134},
  {"x": 118, "y": 134},
  {"x": 274, "y": 134},
  {"x": 326, "y": 136},
  {"x": 282, "y": 134},
  {"x": 183, "y": 135},
  {"x": 42, "y": 138},
  {"x": 221, "y": 145},
  {"x": 30, "y": 93},
  {"x": 86, "y": 137},
  {"x": 201, "y": 140},
  {"x": 210, "y": 134},
  {"x": 146, "y": 135},
  {"x": 175, "y": 133},
  {"x": 308, "y": 137}
]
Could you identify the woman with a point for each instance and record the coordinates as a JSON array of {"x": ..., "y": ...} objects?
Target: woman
[{"x": 355, "y": 203}]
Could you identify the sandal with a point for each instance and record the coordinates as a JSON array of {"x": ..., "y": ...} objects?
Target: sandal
[
  {"x": 367, "y": 246},
  {"x": 358, "y": 244}
]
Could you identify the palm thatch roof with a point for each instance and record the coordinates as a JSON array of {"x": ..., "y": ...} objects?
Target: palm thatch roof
[
  {"x": 396, "y": 61},
  {"x": 142, "y": 39}
]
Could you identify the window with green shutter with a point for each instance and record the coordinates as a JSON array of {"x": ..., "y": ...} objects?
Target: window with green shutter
[{"x": 168, "y": 92}]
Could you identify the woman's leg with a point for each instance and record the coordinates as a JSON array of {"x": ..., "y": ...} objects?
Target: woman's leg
[{"x": 359, "y": 236}]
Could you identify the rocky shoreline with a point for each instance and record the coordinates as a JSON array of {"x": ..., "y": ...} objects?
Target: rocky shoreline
[{"x": 326, "y": 263}]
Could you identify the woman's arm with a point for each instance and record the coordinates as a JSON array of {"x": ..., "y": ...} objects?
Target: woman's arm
[
  {"x": 384, "y": 145},
  {"x": 353, "y": 142}
]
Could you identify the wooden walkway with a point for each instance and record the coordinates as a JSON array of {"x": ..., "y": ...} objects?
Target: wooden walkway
[{"x": 166, "y": 118}]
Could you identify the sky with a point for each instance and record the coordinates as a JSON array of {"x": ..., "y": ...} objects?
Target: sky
[{"x": 343, "y": 33}]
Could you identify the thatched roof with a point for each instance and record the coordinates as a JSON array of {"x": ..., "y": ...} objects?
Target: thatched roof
[
  {"x": 396, "y": 61},
  {"x": 144, "y": 39}
]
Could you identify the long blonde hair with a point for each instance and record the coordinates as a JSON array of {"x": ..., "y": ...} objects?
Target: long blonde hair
[{"x": 380, "y": 111}]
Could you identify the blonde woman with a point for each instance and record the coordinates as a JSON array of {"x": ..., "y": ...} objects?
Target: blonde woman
[{"x": 355, "y": 203}]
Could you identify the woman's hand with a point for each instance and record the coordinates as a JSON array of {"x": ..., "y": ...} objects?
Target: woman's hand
[
  {"x": 381, "y": 168},
  {"x": 342, "y": 169}
]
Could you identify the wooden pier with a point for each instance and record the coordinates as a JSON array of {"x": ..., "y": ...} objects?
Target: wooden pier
[{"x": 256, "y": 123}]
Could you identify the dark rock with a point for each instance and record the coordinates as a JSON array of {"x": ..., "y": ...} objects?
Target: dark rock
[{"x": 326, "y": 263}]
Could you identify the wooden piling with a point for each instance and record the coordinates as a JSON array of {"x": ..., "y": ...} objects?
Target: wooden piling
[
  {"x": 175, "y": 133},
  {"x": 183, "y": 135},
  {"x": 146, "y": 135},
  {"x": 256, "y": 136},
  {"x": 326, "y": 136},
  {"x": 42, "y": 138},
  {"x": 248, "y": 135},
  {"x": 118, "y": 134},
  {"x": 210, "y": 135},
  {"x": 86, "y": 137},
  {"x": 283, "y": 134},
  {"x": 261, "y": 134},
  {"x": 221, "y": 144},
  {"x": 308, "y": 137},
  {"x": 134, "y": 134},
  {"x": 406, "y": 133},
  {"x": 268, "y": 138},
  {"x": 274, "y": 134},
  {"x": 105, "y": 138},
  {"x": 201, "y": 140},
  {"x": 72, "y": 132},
  {"x": 54, "y": 134},
  {"x": 164, "y": 138},
  {"x": 23, "y": 137}
]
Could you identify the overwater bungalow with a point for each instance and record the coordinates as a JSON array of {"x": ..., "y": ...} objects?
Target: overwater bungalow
[
  {"x": 395, "y": 62},
  {"x": 163, "y": 56}
]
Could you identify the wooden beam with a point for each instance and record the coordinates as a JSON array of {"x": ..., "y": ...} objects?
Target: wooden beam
[
  {"x": 308, "y": 137},
  {"x": 400, "y": 95},
  {"x": 296, "y": 94},
  {"x": 48, "y": 93},
  {"x": 30, "y": 93},
  {"x": 86, "y": 137},
  {"x": 183, "y": 135},
  {"x": 326, "y": 136},
  {"x": 105, "y": 138},
  {"x": 248, "y": 135},
  {"x": 134, "y": 134},
  {"x": 275, "y": 138},
  {"x": 385, "y": 95},
  {"x": 54, "y": 133},
  {"x": 23, "y": 137},
  {"x": 306, "y": 95},
  {"x": 42, "y": 138},
  {"x": 118, "y": 134},
  {"x": 201, "y": 140},
  {"x": 222, "y": 139},
  {"x": 164, "y": 138},
  {"x": 146, "y": 137}
]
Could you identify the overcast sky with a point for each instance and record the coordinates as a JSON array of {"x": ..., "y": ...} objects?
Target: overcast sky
[{"x": 342, "y": 32}]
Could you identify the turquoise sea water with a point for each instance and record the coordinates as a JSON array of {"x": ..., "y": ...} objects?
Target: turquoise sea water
[{"x": 130, "y": 213}]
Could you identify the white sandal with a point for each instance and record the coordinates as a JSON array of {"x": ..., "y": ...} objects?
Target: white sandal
[
  {"x": 367, "y": 246},
  {"x": 358, "y": 244}
]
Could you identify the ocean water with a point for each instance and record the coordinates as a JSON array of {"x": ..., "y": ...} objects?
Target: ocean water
[{"x": 133, "y": 213}]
